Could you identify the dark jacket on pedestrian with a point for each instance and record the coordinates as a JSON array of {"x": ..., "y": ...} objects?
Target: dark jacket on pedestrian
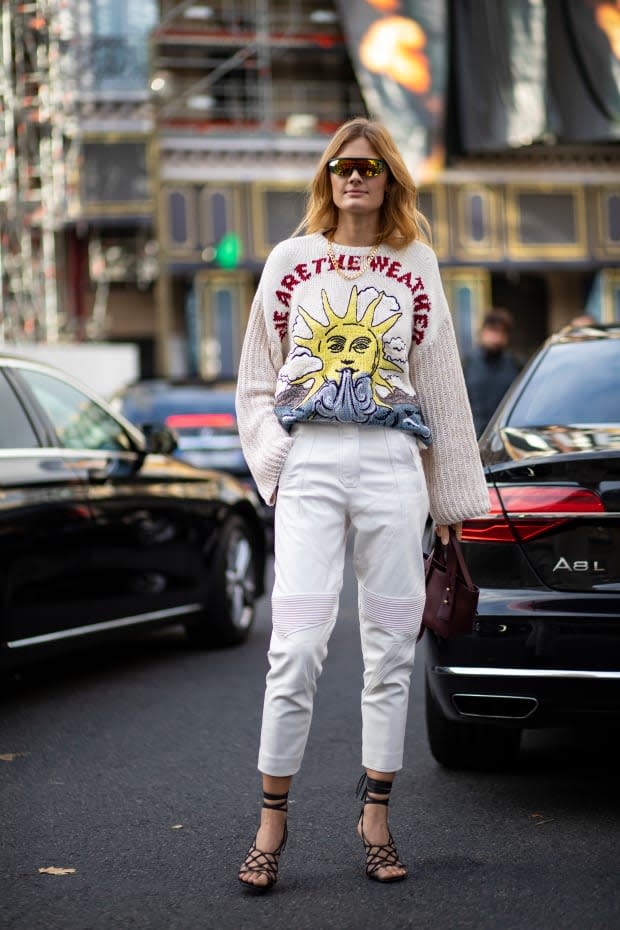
[{"x": 488, "y": 376}]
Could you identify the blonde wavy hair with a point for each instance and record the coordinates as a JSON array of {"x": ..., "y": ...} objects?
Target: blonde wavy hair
[{"x": 400, "y": 221}]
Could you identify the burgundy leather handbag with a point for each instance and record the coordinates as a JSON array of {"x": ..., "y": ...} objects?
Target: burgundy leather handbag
[{"x": 451, "y": 595}]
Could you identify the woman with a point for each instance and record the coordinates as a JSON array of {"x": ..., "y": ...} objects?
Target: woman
[{"x": 352, "y": 409}]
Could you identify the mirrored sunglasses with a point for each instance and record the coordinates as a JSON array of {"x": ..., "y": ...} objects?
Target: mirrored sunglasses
[{"x": 366, "y": 167}]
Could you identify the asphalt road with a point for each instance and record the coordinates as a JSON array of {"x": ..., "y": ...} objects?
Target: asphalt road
[{"x": 134, "y": 765}]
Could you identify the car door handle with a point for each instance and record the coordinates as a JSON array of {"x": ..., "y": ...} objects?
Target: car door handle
[
  {"x": 99, "y": 475},
  {"x": 97, "y": 470}
]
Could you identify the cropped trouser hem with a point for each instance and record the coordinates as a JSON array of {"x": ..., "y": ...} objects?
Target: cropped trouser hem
[
  {"x": 277, "y": 766},
  {"x": 382, "y": 762}
]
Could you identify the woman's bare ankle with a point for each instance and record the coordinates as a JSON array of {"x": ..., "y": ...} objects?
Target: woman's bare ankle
[{"x": 271, "y": 829}]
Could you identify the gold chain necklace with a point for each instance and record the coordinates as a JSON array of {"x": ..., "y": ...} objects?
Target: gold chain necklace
[{"x": 364, "y": 264}]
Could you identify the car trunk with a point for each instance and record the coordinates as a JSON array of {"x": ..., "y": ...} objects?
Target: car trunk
[{"x": 562, "y": 507}]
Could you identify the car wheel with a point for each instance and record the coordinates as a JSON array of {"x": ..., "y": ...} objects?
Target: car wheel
[
  {"x": 469, "y": 745},
  {"x": 228, "y": 617}
]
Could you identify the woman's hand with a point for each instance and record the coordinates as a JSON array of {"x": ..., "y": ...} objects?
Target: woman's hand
[{"x": 443, "y": 531}]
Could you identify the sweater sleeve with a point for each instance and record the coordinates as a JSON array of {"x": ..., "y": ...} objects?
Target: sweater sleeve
[
  {"x": 264, "y": 441},
  {"x": 454, "y": 476}
]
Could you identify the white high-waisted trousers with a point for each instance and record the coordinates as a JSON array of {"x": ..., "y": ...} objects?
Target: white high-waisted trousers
[{"x": 338, "y": 476}]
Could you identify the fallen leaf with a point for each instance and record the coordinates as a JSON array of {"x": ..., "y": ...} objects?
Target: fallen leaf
[
  {"x": 540, "y": 819},
  {"x": 177, "y": 826},
  {"x": 10, "y": 756},
  {"x": 52, "y": 870}
]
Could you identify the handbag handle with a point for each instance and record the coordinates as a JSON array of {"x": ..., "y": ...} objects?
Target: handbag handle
[
  {"x": 452, "y": 555},
  {"x": 458, "y": 552}
]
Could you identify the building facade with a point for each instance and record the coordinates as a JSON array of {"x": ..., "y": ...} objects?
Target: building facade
[
  {"x": 247, "y": 93},
  {"x": 78, "y": 254},
  {"x": 151, "y": 155},
  {"x": 522, "y": 195}
]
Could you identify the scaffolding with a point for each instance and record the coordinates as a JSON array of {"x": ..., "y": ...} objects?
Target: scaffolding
[
  {"x": 37, "y": 71},
  {"x": 246, "y": 94},
  {"x": 252, "y": 65}
]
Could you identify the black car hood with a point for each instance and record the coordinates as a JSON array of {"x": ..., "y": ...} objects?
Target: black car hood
[
  {"x": 220, "y": 484},
  {"x": 515, "y": 444}
]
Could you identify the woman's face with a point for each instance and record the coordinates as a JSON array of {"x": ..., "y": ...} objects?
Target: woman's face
[{"x": 356, "y": 194}]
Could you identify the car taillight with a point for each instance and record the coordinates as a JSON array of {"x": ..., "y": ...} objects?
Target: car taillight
[
  {"x": 522, "y": 512},
  {"x": 194, "y": 420}
]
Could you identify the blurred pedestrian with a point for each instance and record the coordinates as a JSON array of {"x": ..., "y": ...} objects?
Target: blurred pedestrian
[
  {"x": 492, "y": 367},
  {"x": 353, "y": 412}
]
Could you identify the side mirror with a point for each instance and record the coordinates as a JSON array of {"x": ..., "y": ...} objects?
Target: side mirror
[{"x": 160, "y": 439}]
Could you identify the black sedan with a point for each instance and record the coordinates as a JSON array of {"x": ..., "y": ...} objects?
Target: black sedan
[
  {"x": 202, "y": 416},
  {"x": 204, "y": 420},
  {"x": 102, "y": 530},
  {"x": 545, "y": 650}
]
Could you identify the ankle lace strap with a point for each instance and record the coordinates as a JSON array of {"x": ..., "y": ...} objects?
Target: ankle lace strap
[
  {"x": 275, "y": 802},
  {"x": 374, "y": 785}
]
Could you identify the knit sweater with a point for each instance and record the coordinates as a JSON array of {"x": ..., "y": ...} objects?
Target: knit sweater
[{"x": 377, "y": 350}]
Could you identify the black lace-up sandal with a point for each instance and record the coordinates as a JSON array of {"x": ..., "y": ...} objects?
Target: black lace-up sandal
[
  {"x": 265, "y": 863},
  {"x": 378, "y": 857}
]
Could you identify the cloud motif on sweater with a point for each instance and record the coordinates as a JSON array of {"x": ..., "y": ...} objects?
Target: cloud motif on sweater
[
  {"x": 395, "y": 350},
  {"x": 301, "y": 362},
  {"x": 388, "y": 306},
  {"x": 300, "y": 327}
]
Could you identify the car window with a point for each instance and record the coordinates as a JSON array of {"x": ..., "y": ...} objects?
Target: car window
[
  {"x": 16, "y": 430},
  {"x": 141, "y": 406},
  {"x": 575, "y": 383},
  {"x": 78, "y": 421}
]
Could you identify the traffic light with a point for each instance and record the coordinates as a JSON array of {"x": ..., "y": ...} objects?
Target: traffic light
[{"x": 228, "y": 251}]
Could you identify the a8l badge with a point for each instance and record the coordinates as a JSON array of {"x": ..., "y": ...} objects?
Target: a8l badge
[{"x": 563, "y": 565}]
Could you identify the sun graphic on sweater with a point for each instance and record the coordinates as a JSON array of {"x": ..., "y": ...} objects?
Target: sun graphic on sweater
[{"x": 345, "y": 343}]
